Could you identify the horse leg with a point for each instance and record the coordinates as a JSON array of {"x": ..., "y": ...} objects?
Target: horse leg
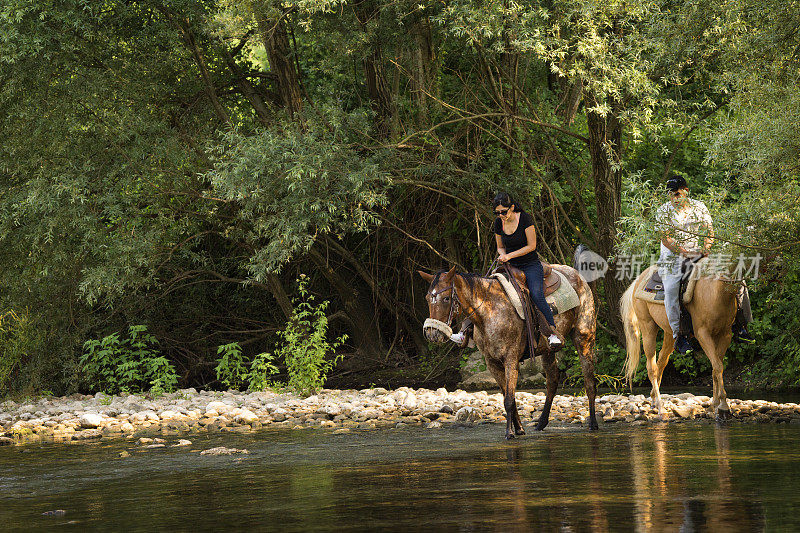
[
  {"x": 584, "y": 343},
  {"x": 649, "y": 335},
  {"x": 663, "y": 356},
  {"x": 714, "y": 350},
  {"x": 510, "y": 400},
  {"x": 499, "y": 373},
  {"x": 551, "y": 371}
]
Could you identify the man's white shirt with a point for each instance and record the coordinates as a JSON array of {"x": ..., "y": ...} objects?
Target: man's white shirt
[{"x": 688, "y": 226}]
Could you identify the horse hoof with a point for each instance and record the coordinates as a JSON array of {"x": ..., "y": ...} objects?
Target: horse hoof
[
  {"x": 540, "y": 427},
  {"x": 520, "y": 431},
  {"x": 593, "y": 425},
  {"x": 509, "y": 436}
]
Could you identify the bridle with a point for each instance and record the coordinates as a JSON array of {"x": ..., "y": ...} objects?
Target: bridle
[
  {"x": 456, "y": 308},
  {"x": 455, "y": 303}
]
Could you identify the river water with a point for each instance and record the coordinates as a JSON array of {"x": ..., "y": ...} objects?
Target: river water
[{"x": 665, "y": 477}]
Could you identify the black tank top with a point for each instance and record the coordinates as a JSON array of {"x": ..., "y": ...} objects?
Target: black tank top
[{"x": 517, "y": 240}]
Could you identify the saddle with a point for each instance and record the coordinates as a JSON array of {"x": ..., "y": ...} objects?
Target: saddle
[
  {"x": 552, "y": 281},
  {"x": 653, "y": 291}
]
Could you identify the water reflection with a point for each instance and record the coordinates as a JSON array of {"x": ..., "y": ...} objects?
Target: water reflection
[
  {"x": 693, "y": 491},
  {"x": 660, "y": 478}
]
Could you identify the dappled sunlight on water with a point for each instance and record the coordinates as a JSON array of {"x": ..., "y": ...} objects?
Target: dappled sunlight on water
[{"x": 687, "y": 477}]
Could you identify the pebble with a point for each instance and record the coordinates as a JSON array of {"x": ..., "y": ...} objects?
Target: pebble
[{"x": 189, "y": 412}]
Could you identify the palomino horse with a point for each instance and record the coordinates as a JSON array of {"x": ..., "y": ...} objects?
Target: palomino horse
[
  {"x": 713, "y": 310},
  {"x": 500, "y": 333}
]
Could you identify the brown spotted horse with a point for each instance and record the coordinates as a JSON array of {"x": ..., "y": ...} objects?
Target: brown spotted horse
[{"x": 500, "y": 333}]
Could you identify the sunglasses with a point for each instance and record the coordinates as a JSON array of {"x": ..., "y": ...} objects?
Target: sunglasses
[{"x": 502, "y": 212}]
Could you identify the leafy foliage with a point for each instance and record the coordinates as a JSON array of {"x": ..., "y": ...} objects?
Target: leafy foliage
[
  {"x": 232, "y": 370},
  {"x": 304, "y": 346},
  {"x": 293, "y": 184},
  {"x": 152, "y": 172},
  {"x": 15, "y": 340},
  {"x": 127, "y": 365}
]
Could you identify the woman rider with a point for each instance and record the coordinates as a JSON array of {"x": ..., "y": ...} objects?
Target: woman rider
[{"x": 516, "y": 244}]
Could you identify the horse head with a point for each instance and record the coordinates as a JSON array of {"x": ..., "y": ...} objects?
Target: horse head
[{"x": 442, "y": 305}]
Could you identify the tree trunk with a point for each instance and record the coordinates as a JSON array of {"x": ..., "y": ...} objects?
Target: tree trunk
[
  {"x": 197, "y": 54},
  {"x": 364, "y": 329},
  {"x": 281, "y": 64},
  {"x": 276, "y": 288},
  {"x": 246, "y": 88},
  {"x": 605, "y": 144},
  {"x": 389, "y": 303},
  {"x": 374, "y": 72},
  {"x": 424, "y": 85}
]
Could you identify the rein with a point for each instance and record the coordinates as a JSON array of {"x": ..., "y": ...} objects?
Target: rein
[{"x": 455, "y": 309}]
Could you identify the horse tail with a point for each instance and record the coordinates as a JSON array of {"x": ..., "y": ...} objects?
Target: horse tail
[{"x": 632, "y": 333}]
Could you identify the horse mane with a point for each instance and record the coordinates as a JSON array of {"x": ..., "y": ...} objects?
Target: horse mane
[{"x": 469, "y": 277}]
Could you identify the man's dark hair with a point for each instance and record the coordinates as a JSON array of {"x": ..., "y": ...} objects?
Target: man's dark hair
[{"x": 676, "y": 182}]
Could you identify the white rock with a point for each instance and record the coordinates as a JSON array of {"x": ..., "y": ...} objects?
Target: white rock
[
  {"x": 330, "y": 409},
  {"x": 141, "y": 416},
  {"x": 221, "y": 450},
  {"x": 218, "y": 407},
  {"x": 410, "y": 401},
  {"x": 91, "y": 420},
  {"x": 246, "y": 417},
  {"x": 683, "y": 410},
  {"x": 169, "y": 415},
  {"x": 370, "y": 413}
]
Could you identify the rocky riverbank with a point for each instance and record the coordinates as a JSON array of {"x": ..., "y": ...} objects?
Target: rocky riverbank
[{"x": 186, "y": 412}]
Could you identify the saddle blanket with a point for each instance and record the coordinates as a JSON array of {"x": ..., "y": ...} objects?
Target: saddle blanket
[
  {"x": 561, "y": 301},
  {"x": 651, "y": 291}
]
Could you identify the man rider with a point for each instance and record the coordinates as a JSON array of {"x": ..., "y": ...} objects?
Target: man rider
[{"x": 686, "y": 231}]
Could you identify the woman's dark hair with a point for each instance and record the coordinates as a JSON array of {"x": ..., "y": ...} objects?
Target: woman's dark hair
[{"x": 505, "y": 199}]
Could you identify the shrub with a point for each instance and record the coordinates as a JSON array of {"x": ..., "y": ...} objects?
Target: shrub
[
  {"x": 304, "y": 346},
  {"x": 233, "y": 372},
  {"x": 133, "y": 364},
  {"x": 15, "y": 338}
]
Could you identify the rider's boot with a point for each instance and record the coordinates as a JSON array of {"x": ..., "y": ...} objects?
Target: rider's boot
[
  {"x": 463, "y": 337},
  {"x": 740, "y": 334},
  {"x": 555, "y": 342},
  {"x": 682, "y": 344},
  {"x": 459, "y": 338}
]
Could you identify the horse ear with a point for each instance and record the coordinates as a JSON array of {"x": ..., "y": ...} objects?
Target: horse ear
[
  {"x": 449, "y": 275},
  {"x": 427, "y": 277}
]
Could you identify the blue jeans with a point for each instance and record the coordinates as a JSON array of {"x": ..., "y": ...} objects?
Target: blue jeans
[
  {"x": 670, "y": 271},
  {"x": 534, "y": 276}
]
